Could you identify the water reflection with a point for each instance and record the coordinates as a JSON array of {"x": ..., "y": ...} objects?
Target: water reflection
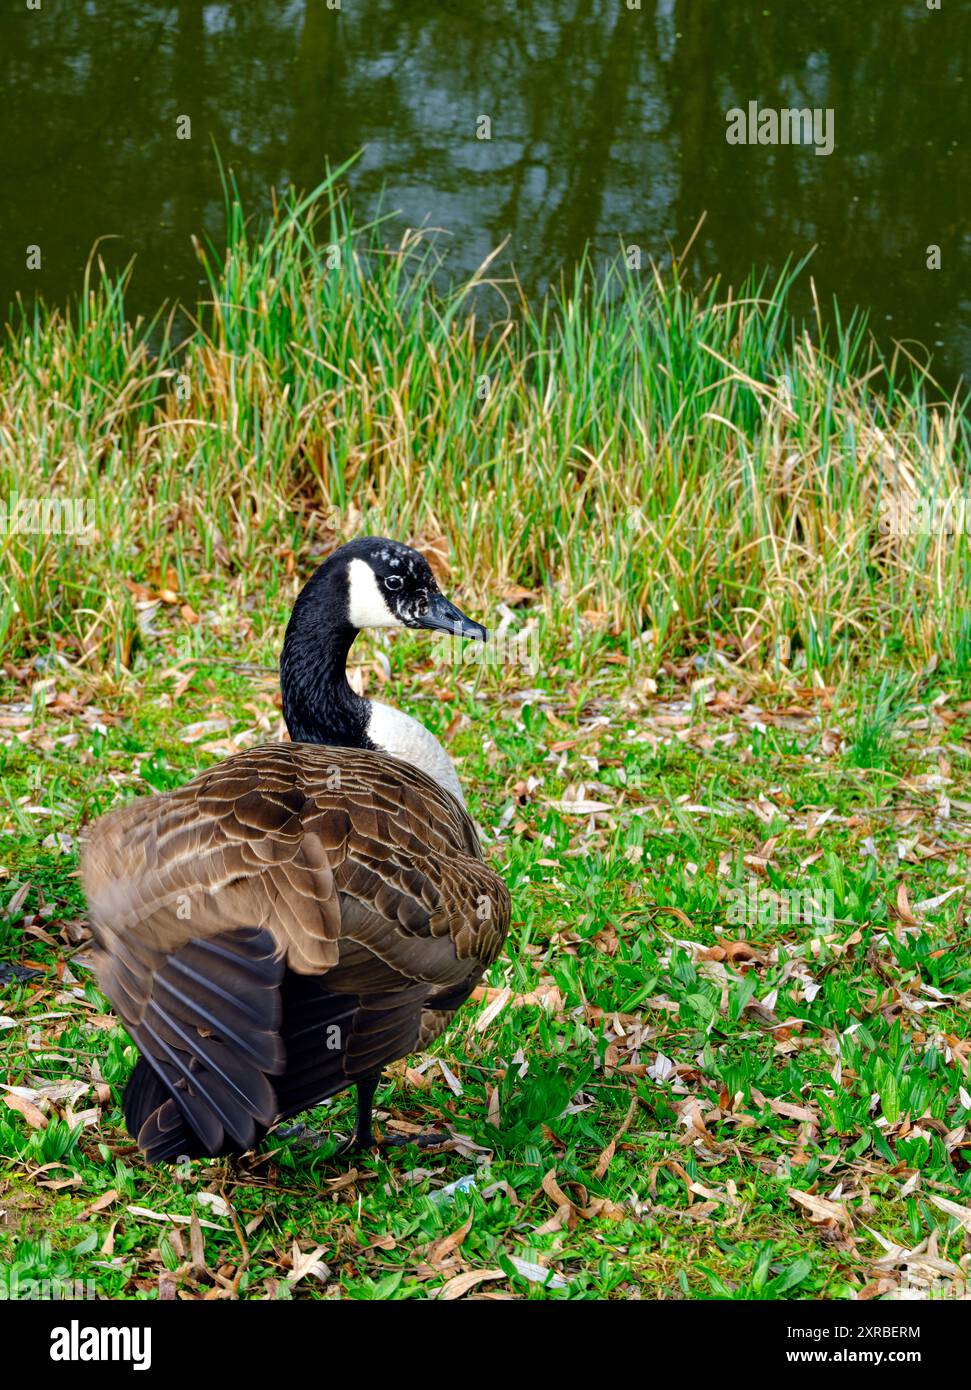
[{"x": 608, "y": 124}]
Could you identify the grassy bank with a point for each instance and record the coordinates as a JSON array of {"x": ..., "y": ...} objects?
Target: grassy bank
[
  {"x": 693, "y": 469},
  {"x": 683, "y": 1079},
  {"x": 672, "y": 1084}
]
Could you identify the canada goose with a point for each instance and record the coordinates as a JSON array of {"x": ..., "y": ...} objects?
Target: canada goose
[{"x": 297, "y": 917}]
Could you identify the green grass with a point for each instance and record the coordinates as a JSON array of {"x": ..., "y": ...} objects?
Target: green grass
[
  {"x": 745, "y": 691},
  {"x": 694, "y": 471},
  {"x": 661, "y": 1077}
]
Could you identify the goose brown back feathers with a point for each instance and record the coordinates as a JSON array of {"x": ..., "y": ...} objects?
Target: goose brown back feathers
[{"x": 283, "y": 926}]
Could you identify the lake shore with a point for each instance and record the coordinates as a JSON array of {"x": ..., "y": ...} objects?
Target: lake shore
[{"x": 681, "y": 472}]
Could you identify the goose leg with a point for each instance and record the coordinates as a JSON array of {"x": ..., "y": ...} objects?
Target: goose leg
[
  {"x": 364, "y": 1130},
  {"x": 363, "y": 1136}
]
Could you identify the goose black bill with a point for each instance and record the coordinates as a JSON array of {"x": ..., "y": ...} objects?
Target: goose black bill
[{"x": 442, "y": 616}]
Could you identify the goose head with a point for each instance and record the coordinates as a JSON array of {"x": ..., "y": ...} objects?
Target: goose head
[
  {"x": 372, "y": 582},
  {"x": 391, "y": 585}
]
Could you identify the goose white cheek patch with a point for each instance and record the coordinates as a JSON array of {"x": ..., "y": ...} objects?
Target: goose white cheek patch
[{"x": 366, "y": 604}]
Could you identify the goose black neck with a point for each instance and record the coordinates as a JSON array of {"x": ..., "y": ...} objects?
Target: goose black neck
[{"x": 318, "y": 704}]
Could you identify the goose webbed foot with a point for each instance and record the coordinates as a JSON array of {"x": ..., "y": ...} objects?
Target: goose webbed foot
[
  {"x": 434, "y": 1139},
  {"x": 310, "y": 1137},
  {"x": 363, "y": 1137}
]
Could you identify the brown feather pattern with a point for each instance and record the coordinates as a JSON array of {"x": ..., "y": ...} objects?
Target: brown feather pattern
[{"x": 291, "y": 890}]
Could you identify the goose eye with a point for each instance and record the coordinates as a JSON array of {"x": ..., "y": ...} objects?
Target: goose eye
[{"x": 393, "y": 581}]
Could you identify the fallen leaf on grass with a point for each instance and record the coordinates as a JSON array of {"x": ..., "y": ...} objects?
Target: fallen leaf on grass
[
  {"x": 960, "y": 1214},
  {"x": 794, "y": 1112},
  {"x": 105, "y": 1200},
  {"x": 28, "y": 1109},
  {"x": 815, "y": 820},
  {"x": 218, "y": 1205},
  {"x": 451, "y": 1080},
  {"x": 197, "y": 1246},
  {"x": 493, "y": 1010},
  {"x": 661, "y": 1068},
  {"x": 554, "y": 1191},
  {"x": 192, "y": 733},
  {"x": 557, "y": 1222},
  {"x": 148, "y": 1215},
  {"x": 108, "y": 1244},
  {"x": 603, "y": 1162},
  {"x": 462, "y": 1283},
  {"x": 304, "y": 1264},
  {"x": 348, "y": 1179},
  {"x": 711, "y": 1195},
  {"x": 904, "y": 910},
  {"x": 821, "y": 1210},
  {"x": 538, "y": 1274},
  {"x": 568, "y": 1211},
  {"x": 932, "y": 904},
  {"x": 443, "y": 1248}
]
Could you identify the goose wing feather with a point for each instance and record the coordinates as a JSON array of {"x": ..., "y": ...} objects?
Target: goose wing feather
[{"x": 347, "y": 869}]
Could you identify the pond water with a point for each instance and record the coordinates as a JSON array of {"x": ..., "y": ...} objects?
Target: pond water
[{"x": 608, "y": 127}]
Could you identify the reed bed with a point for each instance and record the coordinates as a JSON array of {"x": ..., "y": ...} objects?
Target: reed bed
[{"x": 670, "y": 471}]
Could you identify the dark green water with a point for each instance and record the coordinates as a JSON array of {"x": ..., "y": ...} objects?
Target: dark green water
[{"x": 608, "y": 125}]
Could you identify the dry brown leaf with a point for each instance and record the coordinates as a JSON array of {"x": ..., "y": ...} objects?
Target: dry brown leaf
[
  {"x": 108, "y": 1244},
  {"x": 443, "y": 1248},
  {"x": 712, "y": 1195},
  {"x": 28, "y": 1109},
  {"x": 304, "y": 1264},
  {"x": 559, "y": 1220},
  {"x": 493, "y": 1010},
  {"x": 677, "y": 1170},
  {"x": 462, "y": 1283},
  {"x": 197, "y": 1248},
  {"x": 675, "y": 912},
  {"x": 603, "y": 1162},
  {"x": 821, "y": 1209},
  {"x": 794, "y": 1112},
  {"x": 740, "y": 950},
  {"x": 904, "y": 910},
  {"x": 435, "y": 552},
  {"x": 105, "y": 1200},
  {"x": 603, "y": 1206},
  {"x": 960, "y": 1214},
  {"x": 515, "y": 594},
  {"x": 554, "y": 1191},
  {"x": 148, "y": 1215}
]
